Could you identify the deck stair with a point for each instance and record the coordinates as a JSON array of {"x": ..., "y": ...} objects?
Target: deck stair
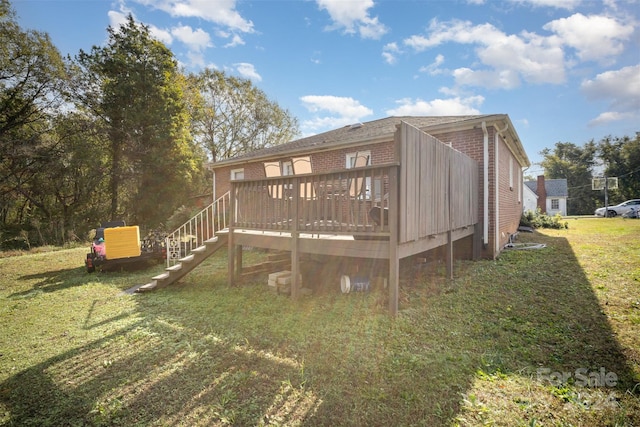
[
  {"x": 185, "y": 264},
  {"x": 193, "y": 242}
]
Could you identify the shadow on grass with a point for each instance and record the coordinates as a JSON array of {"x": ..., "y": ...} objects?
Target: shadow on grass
[
  {"x": 52, "y": 281},
  {"x": 58, "y": 280},
  {"x": 206, "y": 354}
]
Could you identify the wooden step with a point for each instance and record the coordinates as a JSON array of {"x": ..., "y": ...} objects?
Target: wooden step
[
  {"x": 161, "y": 276},
  {"x": 148, "y": 287},
  {"x": 188, "y": 258},
  {"x": 184, "y": 265},
  {"x": 199, "y": 250}
]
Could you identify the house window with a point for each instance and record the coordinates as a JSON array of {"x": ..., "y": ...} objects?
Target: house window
[
  {"x": 287, "y": 168},
  {"x": 351, "y": 158},
  {"x": 520, "y": 185},
  {"x": 350, "y": 162},
  {"x": 555, "y": 204},
  {"x": 511, "y": 174},
  {"x": 237, "y": 174}
]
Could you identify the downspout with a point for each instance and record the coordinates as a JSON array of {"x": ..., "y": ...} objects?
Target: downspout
[
  {"x": 496, "y": 177},
  {"x": 485, "y": 183}
]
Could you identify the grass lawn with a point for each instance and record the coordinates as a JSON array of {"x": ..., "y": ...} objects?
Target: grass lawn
[{"x": 547, "y": 337}]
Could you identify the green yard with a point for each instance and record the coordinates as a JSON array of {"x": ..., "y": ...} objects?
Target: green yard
[{"x": 544, "y": 337}]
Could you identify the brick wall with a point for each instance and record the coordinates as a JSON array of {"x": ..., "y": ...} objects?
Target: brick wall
[
  {"x": 510, "y": 204},
  {"x": 471, "y": 143}
]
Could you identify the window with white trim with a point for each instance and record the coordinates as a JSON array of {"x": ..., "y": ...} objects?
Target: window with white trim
[
  {"x": 351, "y": 158},
  {"x": 511, "y": 174},
  {"x": 287, "y": 168},
  {"x": 555, "y": 204},
  {"x": 237, "y": 174},
  {"x": 520, "y": 179},
  {"x": 350, "y": 162}
]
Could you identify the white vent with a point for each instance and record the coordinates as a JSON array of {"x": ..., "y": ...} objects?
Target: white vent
[{"x": 355, "y": 125}]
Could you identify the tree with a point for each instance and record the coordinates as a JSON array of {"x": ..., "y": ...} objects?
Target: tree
[
  {"x": 576, "y": 165},
  {"x": 235, "y": 117},
  {"x": 133, "y": 84},
  {"x": 32, "y": 81},
  {"x": 621, "y": 157}
]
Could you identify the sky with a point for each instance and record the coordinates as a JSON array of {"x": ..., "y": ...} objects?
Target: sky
[{"x": 563, "y": 70}]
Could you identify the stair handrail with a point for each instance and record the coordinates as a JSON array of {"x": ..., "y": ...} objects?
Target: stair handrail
[{"x": 201, "y": 227}]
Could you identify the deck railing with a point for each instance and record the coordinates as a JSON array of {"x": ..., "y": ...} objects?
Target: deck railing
[
  {"x": 436, "y": 190},
  {"x": 201, "y": 227},
  {"x": 350, "y": 201}
]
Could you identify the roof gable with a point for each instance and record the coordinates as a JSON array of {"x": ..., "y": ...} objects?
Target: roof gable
[{"x": 553, "y": 187}]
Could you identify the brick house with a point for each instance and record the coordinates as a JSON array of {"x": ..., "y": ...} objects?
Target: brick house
[
  {"x": 490, "y": 140},
  {"x": 382, "y": 190}
]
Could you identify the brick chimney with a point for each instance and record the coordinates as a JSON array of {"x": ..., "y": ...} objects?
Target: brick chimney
[{"x": 542, "y": 194}]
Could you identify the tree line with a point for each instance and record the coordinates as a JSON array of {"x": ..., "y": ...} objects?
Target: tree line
[
  {"x": 611, "y": 156},
  {"x": 116, "y": 132}
]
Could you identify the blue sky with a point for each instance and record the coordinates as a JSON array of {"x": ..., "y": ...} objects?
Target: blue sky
[{"x": 563, "y": 70}]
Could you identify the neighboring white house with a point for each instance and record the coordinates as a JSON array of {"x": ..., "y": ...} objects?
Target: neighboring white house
[
  {"x": 550, "y": 195},
  {"x": 529, "y": 199}
]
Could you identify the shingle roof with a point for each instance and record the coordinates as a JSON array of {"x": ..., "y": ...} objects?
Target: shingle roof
[
  {"x": 553, "y": 187},
  {"x": 358, "y": 133}
]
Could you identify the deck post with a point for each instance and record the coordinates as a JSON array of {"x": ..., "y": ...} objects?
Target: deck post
[
  {"x": 449, "y": 254},
  {"x": 238, "y": 262},
  {"x": 295, "y": 235},
  {"x": 394, "y": 262},
  {"x": 231, "y": 253}
]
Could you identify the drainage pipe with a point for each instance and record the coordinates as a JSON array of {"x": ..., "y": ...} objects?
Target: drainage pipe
[{"x": 485, "y": 183}]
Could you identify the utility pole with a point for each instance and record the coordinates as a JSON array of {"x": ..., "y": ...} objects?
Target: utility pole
[{"x": 606, "y": 196}]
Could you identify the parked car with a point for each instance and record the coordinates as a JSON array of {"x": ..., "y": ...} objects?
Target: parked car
[{"x": 620, "y": 209}]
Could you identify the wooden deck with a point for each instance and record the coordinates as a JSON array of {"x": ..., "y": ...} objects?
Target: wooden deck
[{"x": 426, "y": 198}]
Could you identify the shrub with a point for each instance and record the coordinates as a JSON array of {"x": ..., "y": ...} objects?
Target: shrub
[{"x": 539, "y": 220}]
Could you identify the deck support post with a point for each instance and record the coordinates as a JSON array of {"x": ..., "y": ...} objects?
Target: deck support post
[
  {"x": 394, "y": 261},
  {"x": 238, "y": 258},
  {"x": 449, "y": 254},
  {"x": 231, "y": 253},
  {"x": 295, "y": 236}
]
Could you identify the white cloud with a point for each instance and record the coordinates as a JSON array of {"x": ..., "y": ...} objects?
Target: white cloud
[
  {"x": 248, "y": 71},
  {"x": 610, "y": 116},
  {"x": 389, "y": 52},
  {"x": 119, "y": 18},
  {"x": 434, "y": 68},
  {"x": 196, "y": 59},
  {"x": 340, "y": 111},
  {"x": 595, "y": 37},
  {"x": 533, "y": 58},
  {"x": 437, "y": 107},
  {"x": 353, "y": 16},
  {"x": 221, "y": 12},
  {"x": 560, "y": 4},
  {"x": 236, "y": 40},
  {"x": 196, "y": 40},
  {"x": 493, "y": 79},
  {"x": 620, "y": 88},
  {"x": 163, "y": 35}
]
